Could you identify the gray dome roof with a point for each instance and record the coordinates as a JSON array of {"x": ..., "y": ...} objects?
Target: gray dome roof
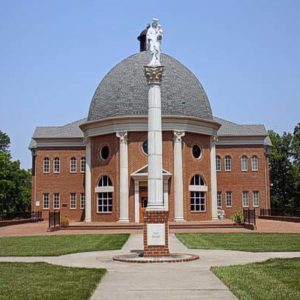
[{"x": 124, "y": 91}]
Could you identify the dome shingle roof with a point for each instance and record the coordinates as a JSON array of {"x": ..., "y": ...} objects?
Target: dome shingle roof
[{"x": 124, "y": 91}]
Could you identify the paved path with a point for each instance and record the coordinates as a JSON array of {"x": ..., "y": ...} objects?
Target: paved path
[{"x": 190, "y": 280}]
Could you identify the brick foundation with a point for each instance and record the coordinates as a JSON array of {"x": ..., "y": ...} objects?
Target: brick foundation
[{"x": 156, "y": 217}]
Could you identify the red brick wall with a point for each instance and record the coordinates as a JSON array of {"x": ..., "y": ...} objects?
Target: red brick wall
[
  {"x": 237, "y": 181},
  {"x": 110, "y": 168},
  {"x": 63, "y": 183},
  {"x": 193, "y": 166}
]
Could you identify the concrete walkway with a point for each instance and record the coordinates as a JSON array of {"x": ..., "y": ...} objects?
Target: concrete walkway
[{"x": 191, "y": 280}]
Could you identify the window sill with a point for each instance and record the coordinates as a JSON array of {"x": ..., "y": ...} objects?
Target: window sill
[{"x": 104, "y": 213}]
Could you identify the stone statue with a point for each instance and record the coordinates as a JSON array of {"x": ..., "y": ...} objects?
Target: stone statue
[{"x": 154, "y": 37}]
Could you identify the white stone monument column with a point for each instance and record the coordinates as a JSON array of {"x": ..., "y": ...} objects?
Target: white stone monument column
[
  {"x": 178, "y": 177},
  {"x": 213, "y": 175},
  {"x": 123, "y": 176},
  {"x": 155, "y": 178},
  {"x": 137, "y": 201},
  {"x": 88, "y": 181}
]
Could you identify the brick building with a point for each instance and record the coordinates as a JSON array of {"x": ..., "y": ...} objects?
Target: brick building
[{"x": 95, "y": 169}]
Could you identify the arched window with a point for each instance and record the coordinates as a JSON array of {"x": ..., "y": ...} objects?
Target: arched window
[
  {"x": 218, "y": 163},
  {"x": 82, "y": 164},
  {"x": 105, "y": 195},
  {"x": 198, "y": 190},
  {"x": 104, "y": 181},
  {"x": 254, "y": 162},
  {"x": 244, "y": 163},
  {"x": 228, "y": 163},
  {"x": 46, "y": 165},
  {"x": 197, "y": 180},
  {"x": 56, "y": 165},
  {"x": 73, "y": 165}
]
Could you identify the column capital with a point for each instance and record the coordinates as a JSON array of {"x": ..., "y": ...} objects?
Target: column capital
[
  {"x": 122, "y": 135},
  {"x": 86, "y": 140},
  {"x": 153, "y": 74},
  {"x": 178, "y": 135}
]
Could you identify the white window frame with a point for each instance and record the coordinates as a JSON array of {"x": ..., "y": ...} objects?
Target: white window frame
[
  {"x": 56, "y": 164},
  {"x": 48, "y": 165},
  {"x": 219, "y": 200},
  {"x": 244, "y": 163},
  {"x": 82, "y": 200},
  {"x": 245, "y": 199},
  {"x": 73, "y": 200},
  {"x": 197, "y": 199},
  {"x": 252, "y": 164},
  {"x": 218, "y": 163},
  {"x": 229, "y": 198},
  {"x": 226, "y": 159},
  {"x": 104, "y": 192},
  {"x": 82, "y": 164},
  {"x": 46, "y": 199},
  {"x": 105, "y": 196},
  {"x": 255, "y": 204},
  {"x": 73, "y": 165},
  {"x": 56, "y": 201}
]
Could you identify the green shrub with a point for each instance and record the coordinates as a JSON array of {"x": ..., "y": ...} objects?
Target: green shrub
[{"x": 238, "y": 217}]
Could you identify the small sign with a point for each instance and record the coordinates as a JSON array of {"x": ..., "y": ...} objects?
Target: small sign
[
  {"x": 156, "y": 234},
  {"x": 37, "y": 203}
]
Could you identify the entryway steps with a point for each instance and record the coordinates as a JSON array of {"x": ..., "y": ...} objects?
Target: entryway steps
[{"x": 139, "y": 226}]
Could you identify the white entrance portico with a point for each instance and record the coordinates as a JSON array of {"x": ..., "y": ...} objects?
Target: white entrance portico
[{"x": 141, "y": 175}]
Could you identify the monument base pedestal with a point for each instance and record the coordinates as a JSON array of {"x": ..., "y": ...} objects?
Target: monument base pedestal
[{"x": 156, "y": 230}]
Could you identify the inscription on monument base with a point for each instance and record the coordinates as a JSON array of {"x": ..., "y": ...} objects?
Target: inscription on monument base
[{"x": 156, "y": 235}]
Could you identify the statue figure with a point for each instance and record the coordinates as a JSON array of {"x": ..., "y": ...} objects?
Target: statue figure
[{"x": 154, "y": 37}]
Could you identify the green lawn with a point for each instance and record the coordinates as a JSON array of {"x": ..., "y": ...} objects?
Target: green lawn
[
  {"x": 274, "y": 279},
  {"x": 253, "y": 242},
  {"x": 60, "y": 244},
  {"x": 44, "y": 281}
]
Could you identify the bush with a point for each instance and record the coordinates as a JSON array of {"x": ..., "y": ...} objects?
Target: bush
[
  {"x": 64, "y": 222},
  {"x": 238, "y": 217}
]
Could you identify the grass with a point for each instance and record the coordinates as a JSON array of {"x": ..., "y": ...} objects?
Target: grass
[
  {"x": 60, "y": 244},
  {"x": 253, "y": 242},
  {"x": 274, "y": 279},
  {"x": 44, "y": 281}
]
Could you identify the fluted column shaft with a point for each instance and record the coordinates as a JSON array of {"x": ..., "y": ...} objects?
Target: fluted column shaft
[
  {"x": 155, "y": 178},
  {"x": 88, "y": 182},
  {"x": 123, "y": 176},
  {"x": 178, "y": 177},
  {"x": 213, "y": 172}
]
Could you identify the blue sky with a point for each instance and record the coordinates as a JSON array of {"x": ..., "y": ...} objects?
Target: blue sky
[{"x": 53, "y": 55}]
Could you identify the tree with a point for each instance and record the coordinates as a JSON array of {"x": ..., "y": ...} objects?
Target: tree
[
  {"x": 15, "y": 183},
  {"x": 296, "y": 144},
  {"x": 284, "y": 159},
  {"x": 4, "y": 142},
  {"x": 281, "y": 169}
]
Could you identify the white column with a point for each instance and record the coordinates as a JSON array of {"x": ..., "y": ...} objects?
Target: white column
[
  {"x": 166, "y": 194},
  {"x": 88, "y": 181},
  {"x": 178, "y": 177},
  {"x": 155, "y": 178},
  {"x": 137, "y": 201},
  {"x": 123, "y": 176},
  {"x": 213, "y": 175}
]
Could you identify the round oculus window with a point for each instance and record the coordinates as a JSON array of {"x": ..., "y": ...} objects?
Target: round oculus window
[
  {"x": 145, "y": 147},
  {"x": 197, "y": 152},
  {"x": 104, "y": 153}
]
